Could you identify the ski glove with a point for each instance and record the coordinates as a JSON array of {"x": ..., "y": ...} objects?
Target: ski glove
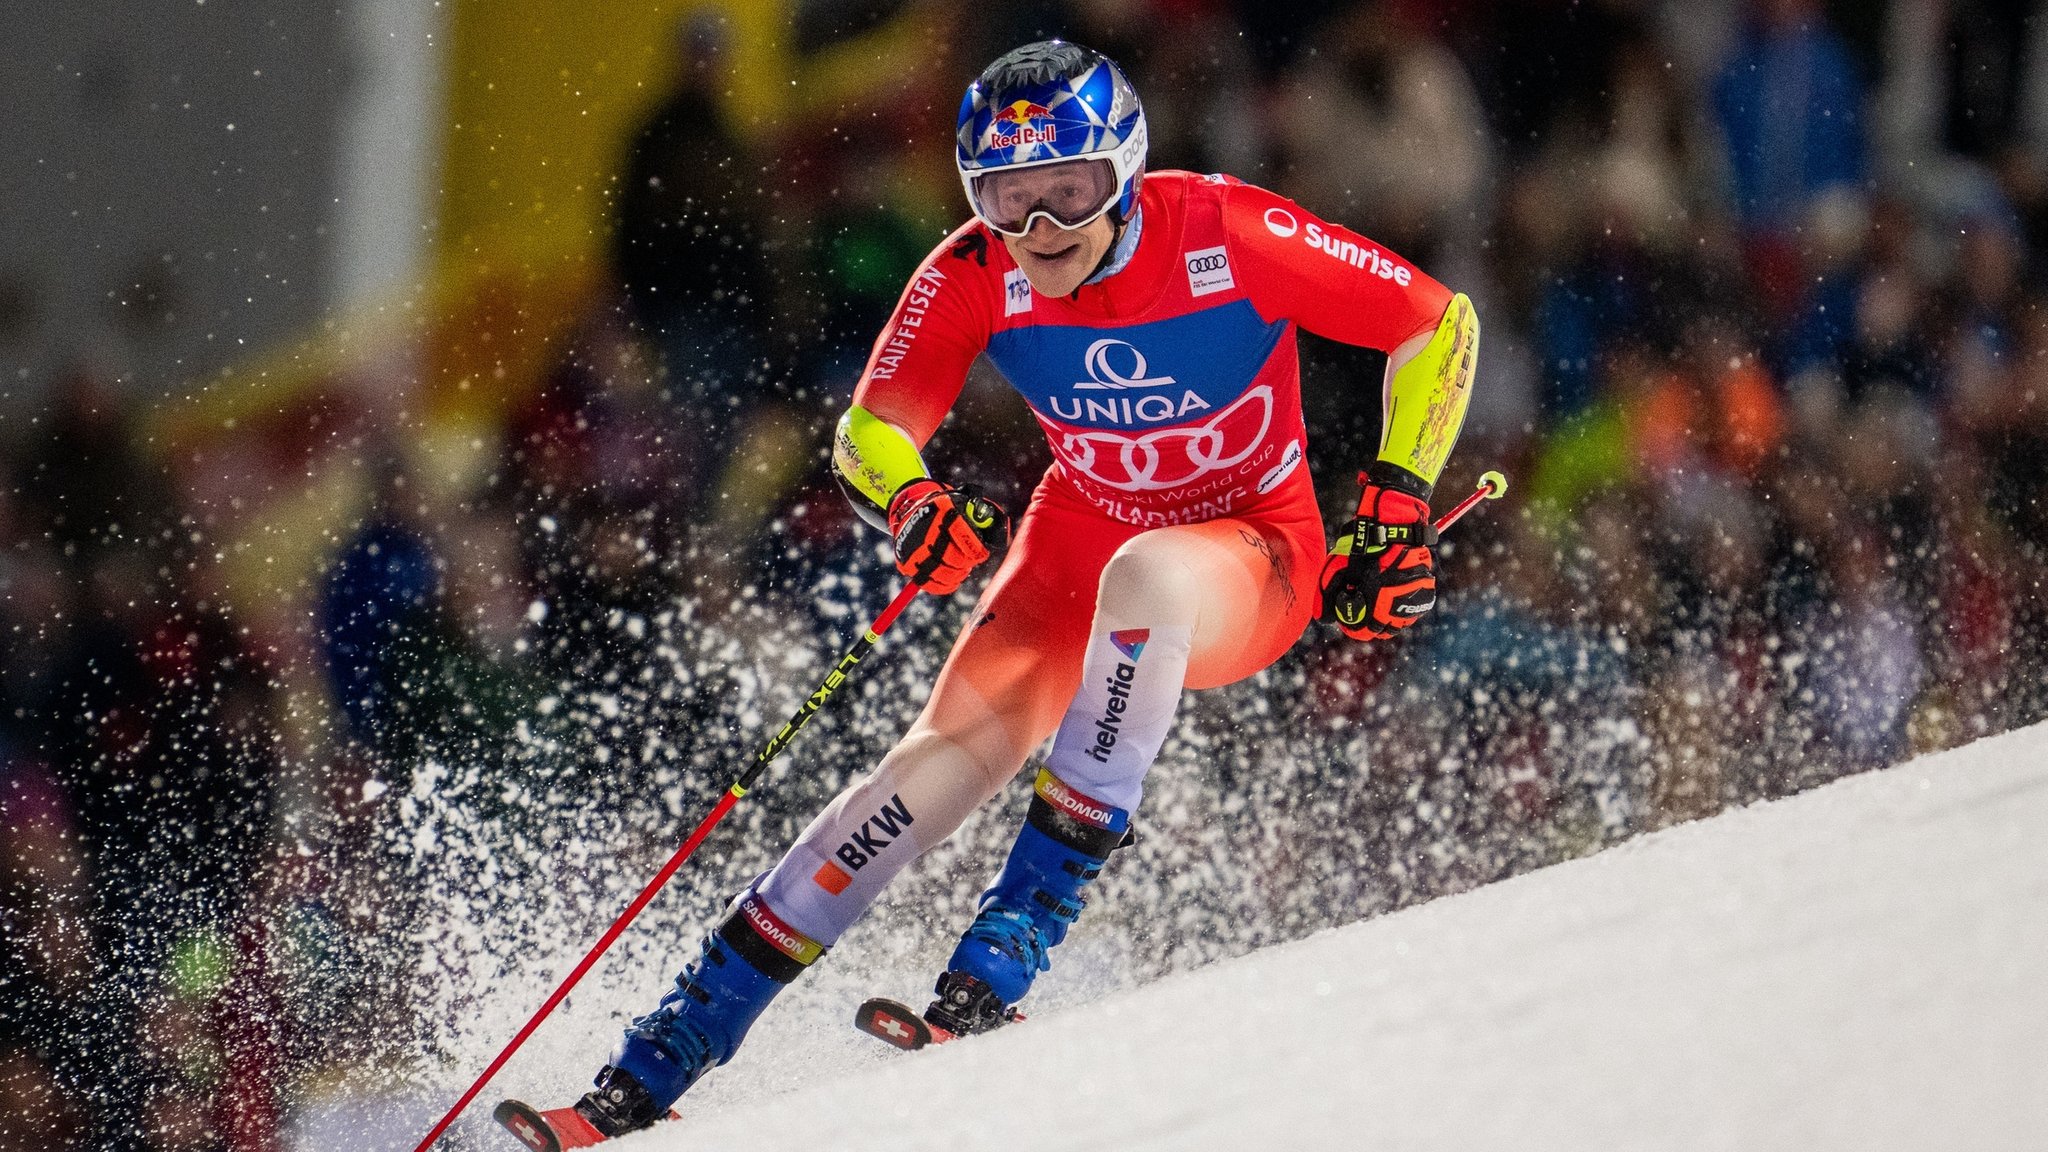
[
  {"x": 1380, "y": 576},
  {"x": 942, "y": 533}
]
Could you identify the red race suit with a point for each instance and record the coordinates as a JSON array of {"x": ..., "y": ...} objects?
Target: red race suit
[{"x": 1169, "y": 391}]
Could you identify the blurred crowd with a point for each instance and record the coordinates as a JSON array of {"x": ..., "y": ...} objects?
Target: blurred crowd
[{"x": 1765, "y": 356}]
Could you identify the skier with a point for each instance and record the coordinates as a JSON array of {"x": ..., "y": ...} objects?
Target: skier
[{"x": 1149, "y": 320}]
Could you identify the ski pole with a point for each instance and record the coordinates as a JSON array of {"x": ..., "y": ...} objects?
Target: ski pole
[
  {"x": 1492, "y": 486},
  {"x": 769, "y": 751}
]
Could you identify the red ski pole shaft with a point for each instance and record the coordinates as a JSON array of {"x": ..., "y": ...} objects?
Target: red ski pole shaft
[
  {"x": 769, "y": 751},
  {"x": 1492, "y": 486}
]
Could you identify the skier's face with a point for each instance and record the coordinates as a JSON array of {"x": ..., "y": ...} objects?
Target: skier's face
[{"x": 1057, "y": 259}]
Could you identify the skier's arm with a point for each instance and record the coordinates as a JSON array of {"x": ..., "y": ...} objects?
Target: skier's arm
[
  {"x": 913, "y": 375},
  {"x": 1428, "y": 386},
  {"x": 1338, "y": 284}
]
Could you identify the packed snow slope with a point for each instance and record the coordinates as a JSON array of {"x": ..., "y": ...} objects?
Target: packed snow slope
[{"x": 1861, "y": 967}]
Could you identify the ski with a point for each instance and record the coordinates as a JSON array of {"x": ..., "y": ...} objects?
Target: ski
[{"x": 554, "y": 1130}]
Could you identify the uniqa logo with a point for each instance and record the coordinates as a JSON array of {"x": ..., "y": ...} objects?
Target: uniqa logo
[{"x": 1103, "y": 376}]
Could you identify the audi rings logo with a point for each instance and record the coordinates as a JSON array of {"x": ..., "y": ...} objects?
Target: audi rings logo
[
  {"x": 1103, "y": 374},
  {"x": 1280, "y": 222},
  {"x": 1172, "y": 457},
  {"x": 1208, "y": 270}
]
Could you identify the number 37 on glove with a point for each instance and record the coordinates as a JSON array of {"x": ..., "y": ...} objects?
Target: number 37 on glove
[{"x": 1381, "y": 575}]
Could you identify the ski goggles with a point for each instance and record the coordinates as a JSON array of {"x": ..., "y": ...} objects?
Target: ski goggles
[{"x": 1070, "y": 193}]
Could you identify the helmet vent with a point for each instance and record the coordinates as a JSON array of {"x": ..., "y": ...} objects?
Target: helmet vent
[{"x": 1042, "y": 62}]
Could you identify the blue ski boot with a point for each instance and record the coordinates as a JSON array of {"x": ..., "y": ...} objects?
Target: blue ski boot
[
  {"x": 746, "y": 960},
  {"x": 1065, "y": 840}
]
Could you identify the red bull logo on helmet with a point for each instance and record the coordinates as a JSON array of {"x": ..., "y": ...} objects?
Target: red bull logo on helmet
[{"x": 1017, "y": 124}]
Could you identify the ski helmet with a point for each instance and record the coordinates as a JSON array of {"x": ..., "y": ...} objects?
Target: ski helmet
[{"x": 1050, "y": 129}]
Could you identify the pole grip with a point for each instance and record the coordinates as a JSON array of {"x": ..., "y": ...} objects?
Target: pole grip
[{"x": 1492, "y": 486}]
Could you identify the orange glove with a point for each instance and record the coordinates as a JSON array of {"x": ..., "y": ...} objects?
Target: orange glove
[
  {"x": 1381, "y": 576},
  {"x": 942, "y": 533}
]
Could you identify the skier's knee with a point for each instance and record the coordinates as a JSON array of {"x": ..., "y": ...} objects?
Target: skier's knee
[
  {"x": 1149, "y": 575},
  {"x": 925, "y": 749}
]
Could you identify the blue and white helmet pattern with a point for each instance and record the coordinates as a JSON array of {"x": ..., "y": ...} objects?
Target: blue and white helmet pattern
[{"x": 1048, "y": 102}]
